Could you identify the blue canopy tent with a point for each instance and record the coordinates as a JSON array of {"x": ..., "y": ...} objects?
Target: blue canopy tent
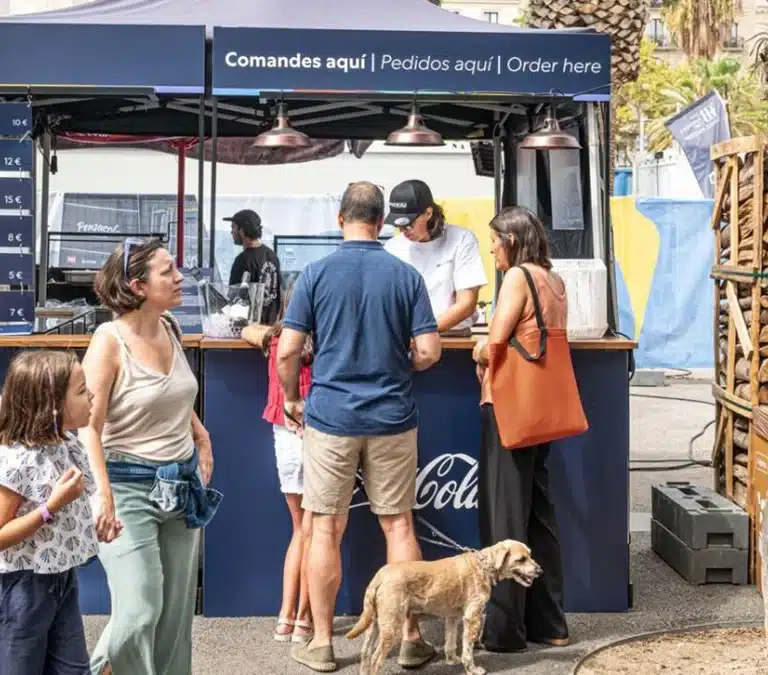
[
  {"x": 345, "y": 70},
  {"x": 100, "y": 53}
]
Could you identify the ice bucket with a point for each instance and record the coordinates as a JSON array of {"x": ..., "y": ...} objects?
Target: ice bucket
[{"x": 225, "y": 310}]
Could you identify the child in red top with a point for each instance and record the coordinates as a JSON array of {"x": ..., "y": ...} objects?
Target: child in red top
[{"x": 295, "y": 622}]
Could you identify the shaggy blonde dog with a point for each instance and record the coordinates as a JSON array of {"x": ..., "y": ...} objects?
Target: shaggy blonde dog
[{"x": 455, "y": 588}]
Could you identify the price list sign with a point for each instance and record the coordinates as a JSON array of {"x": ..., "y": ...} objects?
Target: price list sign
[
  {"x": 16, "y": 232},
  {"x": 15, "y": 119},
  {"x": 17, "y": 228},
  {"x": 17, "y": 269},
  {"x": 16, "y": 155},
  {"x": 16, "y": 194},
  {"x": 17, "y": 307}
]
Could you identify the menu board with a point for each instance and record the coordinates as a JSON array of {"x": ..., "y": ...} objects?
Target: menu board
[
  {"x": 17, "y": 223},
  {"x": 17, "y": 269},
  {"x": 16, "y": 155},
  {"x": 15, "y": 120},
  {"x": 17, "y": 306},
  {"x": 16, "y": 194},
  {"x": 17, "y": 231}
]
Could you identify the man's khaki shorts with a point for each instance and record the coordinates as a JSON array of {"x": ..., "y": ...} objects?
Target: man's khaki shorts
[{"x": 388, "y": 465}]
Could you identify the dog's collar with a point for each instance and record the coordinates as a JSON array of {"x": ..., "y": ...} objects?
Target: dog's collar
[{"x": 487, "y": 567}]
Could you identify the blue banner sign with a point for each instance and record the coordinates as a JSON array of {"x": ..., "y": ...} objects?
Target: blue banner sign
[
  {"x": 17, "y": 269},
  {"x": 15, "y": 119},
  {"x": 17, "y": 306},
  {"x": 17, "y": 231},
  {"x": 16, "y": 194},
  {"x": 166, "y": 58},
  {"x": 247, "y": 61},
  {"x": 701, "y": 125},
  {"x": 16, "y": 155}
]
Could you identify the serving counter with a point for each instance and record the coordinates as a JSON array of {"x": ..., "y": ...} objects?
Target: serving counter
[{"x": 244, "y": 546}]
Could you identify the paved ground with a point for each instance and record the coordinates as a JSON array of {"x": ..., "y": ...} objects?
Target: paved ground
[{"x": 660, "y": 429}]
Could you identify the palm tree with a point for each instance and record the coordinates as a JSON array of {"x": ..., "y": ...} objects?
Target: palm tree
[
  {"x": 759, "y": 53},
  {"x": 623, "y": 20},
  {"x": 699, "y": 25}
]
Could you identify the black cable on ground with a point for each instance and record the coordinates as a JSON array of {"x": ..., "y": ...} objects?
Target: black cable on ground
[
  {"x": 661, "y": 464},
  {"x": 665, "y": 464},
  {"x": 672, "y": 398}
]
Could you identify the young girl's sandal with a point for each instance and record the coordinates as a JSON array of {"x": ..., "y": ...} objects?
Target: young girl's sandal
[
  {"x": 281, "y": 636},
  {"x": 302, "y": 632}
]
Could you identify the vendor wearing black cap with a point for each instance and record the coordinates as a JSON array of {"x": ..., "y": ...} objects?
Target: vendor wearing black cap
[
  {"x": 447, "y": 256},
  {"x": 258, "y": 260}
]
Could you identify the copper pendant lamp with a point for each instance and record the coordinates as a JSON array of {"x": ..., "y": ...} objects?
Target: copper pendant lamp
[
  {"x": 415, "y": 133},
  {"x": 282, "y": 135},
  {"x": 550, "y": 137}
]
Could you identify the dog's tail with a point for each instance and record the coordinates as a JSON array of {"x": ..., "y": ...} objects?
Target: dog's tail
[{"x": 369, "y": 609}]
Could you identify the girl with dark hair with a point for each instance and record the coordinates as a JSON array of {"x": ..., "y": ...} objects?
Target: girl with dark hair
[
  {"x": 446, "y": 256},
  {"x": 294, "y": 623},
  {"x": 46, "y": 525},
  {"x": 514, "y": 500}
]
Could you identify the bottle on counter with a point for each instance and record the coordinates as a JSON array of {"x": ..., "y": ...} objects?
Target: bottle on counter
[{"x": 240, "y": 304}]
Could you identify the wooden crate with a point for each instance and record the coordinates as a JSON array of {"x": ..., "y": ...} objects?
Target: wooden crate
[
  {"x": 758, "y": 487},
  {"x": 740, "y": 316}
]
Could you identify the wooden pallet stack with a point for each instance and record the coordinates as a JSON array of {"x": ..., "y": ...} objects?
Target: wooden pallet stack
[{"x": 741, "y": 313}]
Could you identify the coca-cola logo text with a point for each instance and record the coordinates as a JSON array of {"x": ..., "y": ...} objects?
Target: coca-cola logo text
[{"x": 447, "y": 481}]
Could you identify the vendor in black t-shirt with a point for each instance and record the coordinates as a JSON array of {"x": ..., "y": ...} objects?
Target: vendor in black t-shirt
[{"x": 257, "y": 259}]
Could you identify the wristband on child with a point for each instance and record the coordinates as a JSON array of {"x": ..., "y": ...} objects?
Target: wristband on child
[{"x": 47, "y": 516}]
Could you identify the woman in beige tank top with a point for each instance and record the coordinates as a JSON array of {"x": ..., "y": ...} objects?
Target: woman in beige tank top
[
  {"x": 143, "y": 418},
  {"x": 513, "y": 485}
]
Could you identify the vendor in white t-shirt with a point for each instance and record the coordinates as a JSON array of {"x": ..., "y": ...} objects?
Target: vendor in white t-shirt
[{"x": 447, "y": 256}]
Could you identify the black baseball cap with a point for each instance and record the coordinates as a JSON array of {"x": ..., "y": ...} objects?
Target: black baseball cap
[
  {"x": 408, "y": 201},
  {"x": 248, "y": 221}
]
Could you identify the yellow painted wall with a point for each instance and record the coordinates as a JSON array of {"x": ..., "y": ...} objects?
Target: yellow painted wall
[
  {"x": 636, "y": 246},
  {"x": 636, "y": 243},
  {"x": 475, "y": 214}
]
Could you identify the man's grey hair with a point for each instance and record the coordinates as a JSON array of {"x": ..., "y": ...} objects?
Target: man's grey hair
[{"x": 362, "y": 202}]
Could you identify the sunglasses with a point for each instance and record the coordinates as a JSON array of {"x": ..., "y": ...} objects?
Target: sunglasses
[{"x": 129, "y": 244}]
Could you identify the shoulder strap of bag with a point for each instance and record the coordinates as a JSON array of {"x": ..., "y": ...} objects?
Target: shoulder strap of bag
[
  {"x": 173, "y": 324},
  {"x": 513, "y": 342}
]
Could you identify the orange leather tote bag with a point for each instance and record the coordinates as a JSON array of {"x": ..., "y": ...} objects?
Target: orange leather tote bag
[{"x": 535, "y": 397}]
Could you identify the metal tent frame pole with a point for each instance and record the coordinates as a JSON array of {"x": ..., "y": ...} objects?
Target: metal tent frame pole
[
  {"x": 42, "y": 272},
  {"x": 214, "y": 158},
  {"x": 181, "y": 198},
  {"x": 200, "y": 180}
]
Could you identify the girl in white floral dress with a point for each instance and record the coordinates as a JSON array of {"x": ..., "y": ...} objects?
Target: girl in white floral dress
[{"x": 46, "y": 523}]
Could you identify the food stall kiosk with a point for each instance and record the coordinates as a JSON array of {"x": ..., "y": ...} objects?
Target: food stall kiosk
[{"x": 354, "y": 71}]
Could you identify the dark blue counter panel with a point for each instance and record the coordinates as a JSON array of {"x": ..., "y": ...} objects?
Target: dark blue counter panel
[
  {"x": 589, "y": 476},
  {"x": 245, "y": 544}
]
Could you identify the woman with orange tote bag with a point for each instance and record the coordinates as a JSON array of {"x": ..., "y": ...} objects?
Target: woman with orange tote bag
[{"x": 529, "y": 398}]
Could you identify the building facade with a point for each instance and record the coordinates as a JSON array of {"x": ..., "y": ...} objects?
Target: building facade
[
  {"x": 751, "y": 18},
  {"x": 495, "y": 11}
]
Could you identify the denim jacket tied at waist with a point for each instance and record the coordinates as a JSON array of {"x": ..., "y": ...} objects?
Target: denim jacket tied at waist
[{"x": 177, "y": 487}]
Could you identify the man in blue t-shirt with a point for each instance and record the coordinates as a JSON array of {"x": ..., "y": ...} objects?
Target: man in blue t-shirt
[{"x": 372, "y": 325}]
